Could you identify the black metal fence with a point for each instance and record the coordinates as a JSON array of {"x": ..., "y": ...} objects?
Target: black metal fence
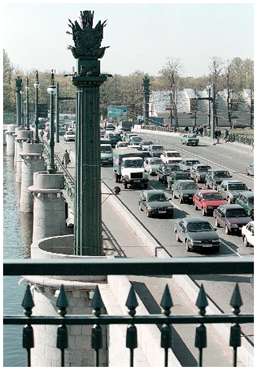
[{"x": 125, "y": 266}]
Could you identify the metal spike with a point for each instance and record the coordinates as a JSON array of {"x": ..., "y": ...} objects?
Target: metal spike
[
  {"x": 132, "y": 302},
  {"x": 28, "y": 302},
  {"x": 236, "y": 300},
  {"x": 97, "y": 302},
  {"x": 201, "y": 301},
  {"x": 166, "y": 301},
  {"x": 62, "y": 301}
]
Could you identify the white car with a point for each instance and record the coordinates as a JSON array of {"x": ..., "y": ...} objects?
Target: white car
[
  {"x": 171, "y": 156},
  {"x": 121, "y": 144},
  {"x": 248, "y": 234},
  {"x": 69, "y": 135},
  {"x": 152, "y": 164}
]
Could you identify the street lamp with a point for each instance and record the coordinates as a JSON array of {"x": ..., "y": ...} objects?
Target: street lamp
[
  {"x": 36, "y": 85},
  {"x": 52, "y": 92},
  {"x": 27, "y": 102}
]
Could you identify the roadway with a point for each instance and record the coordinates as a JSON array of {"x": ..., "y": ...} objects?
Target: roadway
[{"x": 221, "y": 155}]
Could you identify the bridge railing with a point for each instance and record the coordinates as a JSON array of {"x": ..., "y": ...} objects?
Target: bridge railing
[{"x": 131, "y": 266}]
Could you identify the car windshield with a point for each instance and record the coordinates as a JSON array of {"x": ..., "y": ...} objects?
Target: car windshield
[
  {"x": 191, "y": 162},
  {"x": 158, "y": 197},
  {"x": 146, "y": 142},
  {"x": 136, "y": 139},
  {"x": 237, "y": 212},
  {"x": 176, "y": 154},
  {"x": 212, "y": 196},
  {"x": 138, "y": 163},
  {"x": 199, "y": 227},
  {"x": 221, "y": 174},
  {"x": 171, "y": 168},
  {"x": 250, "y": 200},
  {"x": 181, "y": 175},
  {"x": 157, "y": 147},
  {"x": 156, "y": 161},
  {"x": 190, "y": 185},
  {"x": 203, "y": 168},
  {"x": 123, "y": 144},
  {"x": 237, "y": 186},
  {"x": 106, "y": 149}
]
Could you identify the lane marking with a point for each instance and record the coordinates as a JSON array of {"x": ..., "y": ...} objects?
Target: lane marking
[{"x": 208, "y": 160}]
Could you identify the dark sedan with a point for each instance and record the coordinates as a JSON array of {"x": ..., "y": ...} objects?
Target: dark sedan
[
  {"x": 165, "y": 170},
  {"x": 232, "y": 217},
  {"x": 215, "y": 178},
  {"x": 199, "y": 172},
  {"x": 197, "y": 234},
  {"x": 155, "y": 202}
]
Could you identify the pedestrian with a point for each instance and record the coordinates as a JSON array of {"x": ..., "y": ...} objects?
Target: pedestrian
[
  {"x": 201, "y": 130},
  {"x": 186, "y": 129},
  {"x": 226, "y": 133},
  {"x": 66, "y": 159}
]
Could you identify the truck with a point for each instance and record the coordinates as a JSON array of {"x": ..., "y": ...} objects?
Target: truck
[
  {"x": 128, "y": 167},
  {"x": 125, "y": 126}
]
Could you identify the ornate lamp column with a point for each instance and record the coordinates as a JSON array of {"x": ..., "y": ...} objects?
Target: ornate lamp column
[
  {"x": 27, "y": 103},
  {"x": 87, "y": 79},
  {"x": 51, "y": 91},
  {"x": 36, "y": 85},
  {"x": 146, "y": 84},
  {"x": 18, "y": 100}
]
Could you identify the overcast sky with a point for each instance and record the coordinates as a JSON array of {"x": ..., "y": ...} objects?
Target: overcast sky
[{"x": 140, "y": 36}]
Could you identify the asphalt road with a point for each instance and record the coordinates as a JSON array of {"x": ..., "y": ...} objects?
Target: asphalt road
[{"x": 218, "y": 287}]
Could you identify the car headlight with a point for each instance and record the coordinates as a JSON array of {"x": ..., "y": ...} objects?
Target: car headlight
[
  {"x": 216, "y": 241},
  {"x": 234, "y": 225},
  {"x": 149, "y": 208},
  {"x": 169, "y": 207}
]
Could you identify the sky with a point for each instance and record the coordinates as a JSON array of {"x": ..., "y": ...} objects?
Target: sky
[{"x": 141, "y": 36}]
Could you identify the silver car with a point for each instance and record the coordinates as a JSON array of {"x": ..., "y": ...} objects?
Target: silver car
[{"x": 197, "y": 234}]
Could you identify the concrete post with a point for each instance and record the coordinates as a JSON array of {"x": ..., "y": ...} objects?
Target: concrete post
[
  {"x": 10, "y": 140},
  {"x": 78, "y": 290},
  {"x": 49, "y": 205},
  {"x": 22, "y": 135},
  {"x": 32, "y": 161}
]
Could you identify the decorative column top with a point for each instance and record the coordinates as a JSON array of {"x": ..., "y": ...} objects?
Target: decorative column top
[
  {"x": 87, "y": 39},
  {"x": 18, "y": 84}
]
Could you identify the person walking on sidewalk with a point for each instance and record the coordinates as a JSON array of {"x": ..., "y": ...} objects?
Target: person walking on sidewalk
[{"x": 66, "y": 159}]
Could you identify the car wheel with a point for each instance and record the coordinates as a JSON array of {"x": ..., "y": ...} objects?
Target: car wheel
[
  {"x": 177, "y": 237},
  {"x": 216, "y": 222},
  {"x": 245, "y": 242},
  {"x": 145, "y": 186},
  {"x": 180, "y": 200},
  {"x": 204, "y": 212},
  {"x": 125, "y": 185},
  {"x": 148, "y": 213},
  {"x": 227, "y": 231},
  {"x": 189, "y": 248},
  {"x": 196, "y": 208}
]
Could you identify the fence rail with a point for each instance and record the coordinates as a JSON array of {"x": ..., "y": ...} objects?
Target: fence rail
[{"x": 142, "y": 266}]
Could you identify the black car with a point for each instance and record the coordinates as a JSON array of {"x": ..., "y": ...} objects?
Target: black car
[
  {"x": 155, "y": 202},
  {"x": 215, "y": 178},
  {"x": 199, "y": 172},
  {"x": 165, "y": 170}
]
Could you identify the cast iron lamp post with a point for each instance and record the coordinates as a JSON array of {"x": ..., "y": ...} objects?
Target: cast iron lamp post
[
  {"x": 87, "y": 79},
  {"x": 27, "y": 103},
  {"x": 18, "y": 100},
  {"x": 146, "y": 85},
  {"x": 36, "y": 85},
  {"x": 51, "y": 91}
]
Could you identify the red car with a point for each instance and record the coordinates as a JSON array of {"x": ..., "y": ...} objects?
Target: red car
[{"x": 208, "y": 200}]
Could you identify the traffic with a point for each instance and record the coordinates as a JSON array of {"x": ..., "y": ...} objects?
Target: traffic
[{"x": 184, "y": 186}]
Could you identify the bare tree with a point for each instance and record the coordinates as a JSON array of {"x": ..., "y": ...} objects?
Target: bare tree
[
  {"x": 171, "y": 73},
  {"x": 216, "y": 69}
]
